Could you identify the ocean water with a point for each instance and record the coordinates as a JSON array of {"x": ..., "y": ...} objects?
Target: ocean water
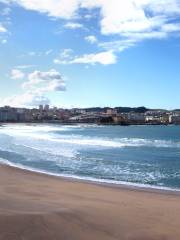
[{"x": 135, "y": 155}]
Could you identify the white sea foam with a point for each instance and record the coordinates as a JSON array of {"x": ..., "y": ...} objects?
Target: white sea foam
[
  {"x": 46, "y": 133},
  {"x": 89, "y": 179},
  {"x": 66, "y": 152},
  {"x": 73, "y": 149},
  {"x": 99, "y": 142},
  {"x": 21, "y": 128}
]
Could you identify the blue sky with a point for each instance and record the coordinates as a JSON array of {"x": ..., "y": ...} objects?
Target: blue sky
[{"x": 83, "y": 53}]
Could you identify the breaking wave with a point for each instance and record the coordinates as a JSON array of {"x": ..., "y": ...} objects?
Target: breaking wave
[
  {"x": 55, "y": 134},
  {"x": 138, "y": 156}
]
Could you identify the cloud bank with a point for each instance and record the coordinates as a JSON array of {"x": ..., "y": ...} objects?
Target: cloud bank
[
  {"x": 116, "y": 17},
  {"x": 36, "y": 87},
  {"x": 128, "y": 21}
]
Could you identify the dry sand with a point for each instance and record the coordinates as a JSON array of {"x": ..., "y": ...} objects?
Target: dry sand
[{"x": 35, "y": 206}]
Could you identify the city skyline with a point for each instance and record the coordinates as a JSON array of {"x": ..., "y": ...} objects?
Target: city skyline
[
  {"x": 104, "y": 116},
  {"x": 82, "y": 53}
]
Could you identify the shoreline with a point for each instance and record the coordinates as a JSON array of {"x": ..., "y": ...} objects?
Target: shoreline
[
  {"x": 94, "y": 180},
  {"x": 36, "y": 206},
  {"x": 99, "y": 182}
]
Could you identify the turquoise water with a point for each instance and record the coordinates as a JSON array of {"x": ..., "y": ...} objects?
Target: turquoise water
[{"x": 140, "y": 155}]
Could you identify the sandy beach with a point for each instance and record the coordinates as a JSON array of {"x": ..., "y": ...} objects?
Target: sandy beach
[{"x": 36, "y": 206}]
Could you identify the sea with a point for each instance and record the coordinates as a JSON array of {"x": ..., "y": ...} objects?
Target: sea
[{"x": 142, "y": 156}]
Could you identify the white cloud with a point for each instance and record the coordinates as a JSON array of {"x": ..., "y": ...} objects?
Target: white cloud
[
  {"x": 44, "y": 76},
  {"x": 116, "y": 16},
  {"x": 54, "y": 8},
  {"x": 119, "y": 17},
  {"x": 4, "y": 41},
  {"x": 24, "y": 66},
  {"x": 27, "y": 99},
  {"x": 17, "y": 74},
  {"x": 65, "y": 56},
  {"x": 104, "y": 58},
  {"x": 36, "y": 87},
  {"x": 2, "y": 29},
  {"x": 43, "y": 82},
  {"x": 73, "y": 25},
  {"x": 129, "y": 21},
  {"x": 117, "y": 45},
  {"x": 171, "y": 27},
  {"x": 91, "y": 39}
]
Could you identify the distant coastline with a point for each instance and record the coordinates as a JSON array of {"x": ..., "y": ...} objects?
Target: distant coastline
[
  {"x": 102, "y": 116},
  {"x": 89, "y": 123}
]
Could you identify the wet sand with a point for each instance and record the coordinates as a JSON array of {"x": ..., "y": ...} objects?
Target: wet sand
[{"x": 35, "y": 206}]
